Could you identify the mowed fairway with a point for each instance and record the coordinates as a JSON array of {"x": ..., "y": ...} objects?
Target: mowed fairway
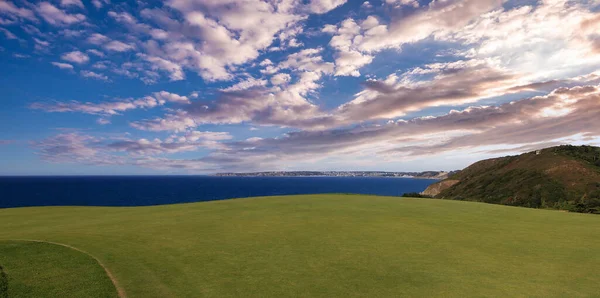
[
  {"x": 323, "y": 246},
  {"x": 38, "y": 269}
]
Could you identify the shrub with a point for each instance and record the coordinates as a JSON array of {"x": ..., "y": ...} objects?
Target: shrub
[
  {"x": 589, "y": 205},
  {"x": 3, "y": 284},
  {"x": 414, "y": 195},
  {"x": 587, "y": 153}
]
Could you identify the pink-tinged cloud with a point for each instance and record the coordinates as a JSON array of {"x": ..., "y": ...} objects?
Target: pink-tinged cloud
[
  {"x": 10, "y": 10},
  {"x": 562, "y": 113},
  {"x": 62, "y": 65},
  {"x": 76, "y": 57},
  {"x": 67, "y": 3}
]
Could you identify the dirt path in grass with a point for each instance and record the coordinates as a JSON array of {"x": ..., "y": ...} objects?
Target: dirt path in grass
[{"x": 119, "y": 289}]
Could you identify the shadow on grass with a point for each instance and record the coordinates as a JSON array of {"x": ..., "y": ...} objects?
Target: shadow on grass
[{"x": 3, "y": 283}]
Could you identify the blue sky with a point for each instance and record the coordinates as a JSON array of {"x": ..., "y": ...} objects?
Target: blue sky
[{"x": 204, "y": 86}]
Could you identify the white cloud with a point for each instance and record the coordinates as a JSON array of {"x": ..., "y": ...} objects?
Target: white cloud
[
  {"x": 85, "y": 149},
  {"x": 69, "y": 33},
  {"x": 213, "y": 38},
  {"x": 9, "y": 9},
  {"x": 159, "y": 34},
  {"x": 172, "y": 122},
  {"x": 123, "y": 17},
  {"x": 207, "y": 135},
  {"x": 355, "y": 44},
  {"x": 282, "y": 106},
  {"x": 280, "y": 79},
  {"x": 118, "y": 46},
  {"x": 68, "y": 148},
  {"x": 453, "y": 83},
  {"x": 76, "y": 57},
  {"x": 95, "y": 52},
  {"x": 242, "y": 30},
  {"x": 324, "y": 6},
  {"x": 171, "y": 97},
  {"x": 97, "y": 39},
  {"x": 265, "y": 62},
  {"x": 329, "y": 28},
  {"x": 369, "y": 23},
  {"x": 110, "y": 107},
  {"x": 66, "y": 3},
  {"x": 175, "y": 70},
  {"x": 93, "y": 75},
  {"x": 142, "y": 147},
  {"x": 347, "y": 63},
  {"x": 245, "y": 84},
  {"x": 102, "y": 65},
  {"x": 57, "y": 17},
  {"x": 62, "y": 65},
  {"x": 348, "y": 59},
  {"x": 413, "y": 3},
  {"x": 549, "y": 40},
  {"x": 307, "y": 60},
  {"x": 103, "y": 121},
  {"x": 41, "y": 45},
  {"x": 287, "y": 38},
  {"x": 100, "y": 3},
  {"x": 8, "y": 34},
  {"x": 41, "y": 42},
  {"x": 446, "y": 15}
]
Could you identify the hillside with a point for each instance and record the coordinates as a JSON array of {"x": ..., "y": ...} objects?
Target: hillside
[
  {"x": 301, "y": 246},
  {"x": 563, "y": 177}
]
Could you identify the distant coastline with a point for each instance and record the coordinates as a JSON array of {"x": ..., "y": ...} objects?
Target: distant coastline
[{"x": 436, "y": 175}]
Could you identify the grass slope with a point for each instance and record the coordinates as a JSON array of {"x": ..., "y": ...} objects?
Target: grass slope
[
  {"x": 37, "y": 269},
  {"x": 563, "y": 177},
  {"x": 328, "y": 246}
]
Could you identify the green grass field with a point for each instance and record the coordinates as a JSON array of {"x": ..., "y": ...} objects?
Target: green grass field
[
  {"x": 48, "y": 270},
  {"x": 303, "y": 246}
]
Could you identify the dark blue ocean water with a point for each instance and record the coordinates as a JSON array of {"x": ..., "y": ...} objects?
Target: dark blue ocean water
[{"x": 141, "y": 191}]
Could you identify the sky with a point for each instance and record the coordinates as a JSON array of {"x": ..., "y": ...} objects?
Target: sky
[{"x": 107, "y": 87}]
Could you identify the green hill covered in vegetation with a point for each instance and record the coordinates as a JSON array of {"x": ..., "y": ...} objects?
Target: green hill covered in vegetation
[{"x": 563, "y": 177}]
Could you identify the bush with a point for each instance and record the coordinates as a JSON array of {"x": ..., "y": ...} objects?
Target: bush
[
  {"x": 589, "y": 205},
  {"x": 3, "y": 284},
  {"x": 414, "y": 195},
  {"x": 587, "y": 153}
]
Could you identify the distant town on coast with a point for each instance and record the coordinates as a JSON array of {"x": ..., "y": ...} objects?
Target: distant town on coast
[{"x": 422, "y": 175}]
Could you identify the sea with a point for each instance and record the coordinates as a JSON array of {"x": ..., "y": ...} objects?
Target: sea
[{"x": 159, "y": 190}]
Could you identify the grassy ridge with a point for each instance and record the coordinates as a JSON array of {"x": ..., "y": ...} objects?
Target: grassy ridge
[{"x": 329, "y": 246}]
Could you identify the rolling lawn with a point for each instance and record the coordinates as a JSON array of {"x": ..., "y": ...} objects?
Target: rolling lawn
[
  {"x": 48, "y": 270},
  {"x": 303, "y": 246}
]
